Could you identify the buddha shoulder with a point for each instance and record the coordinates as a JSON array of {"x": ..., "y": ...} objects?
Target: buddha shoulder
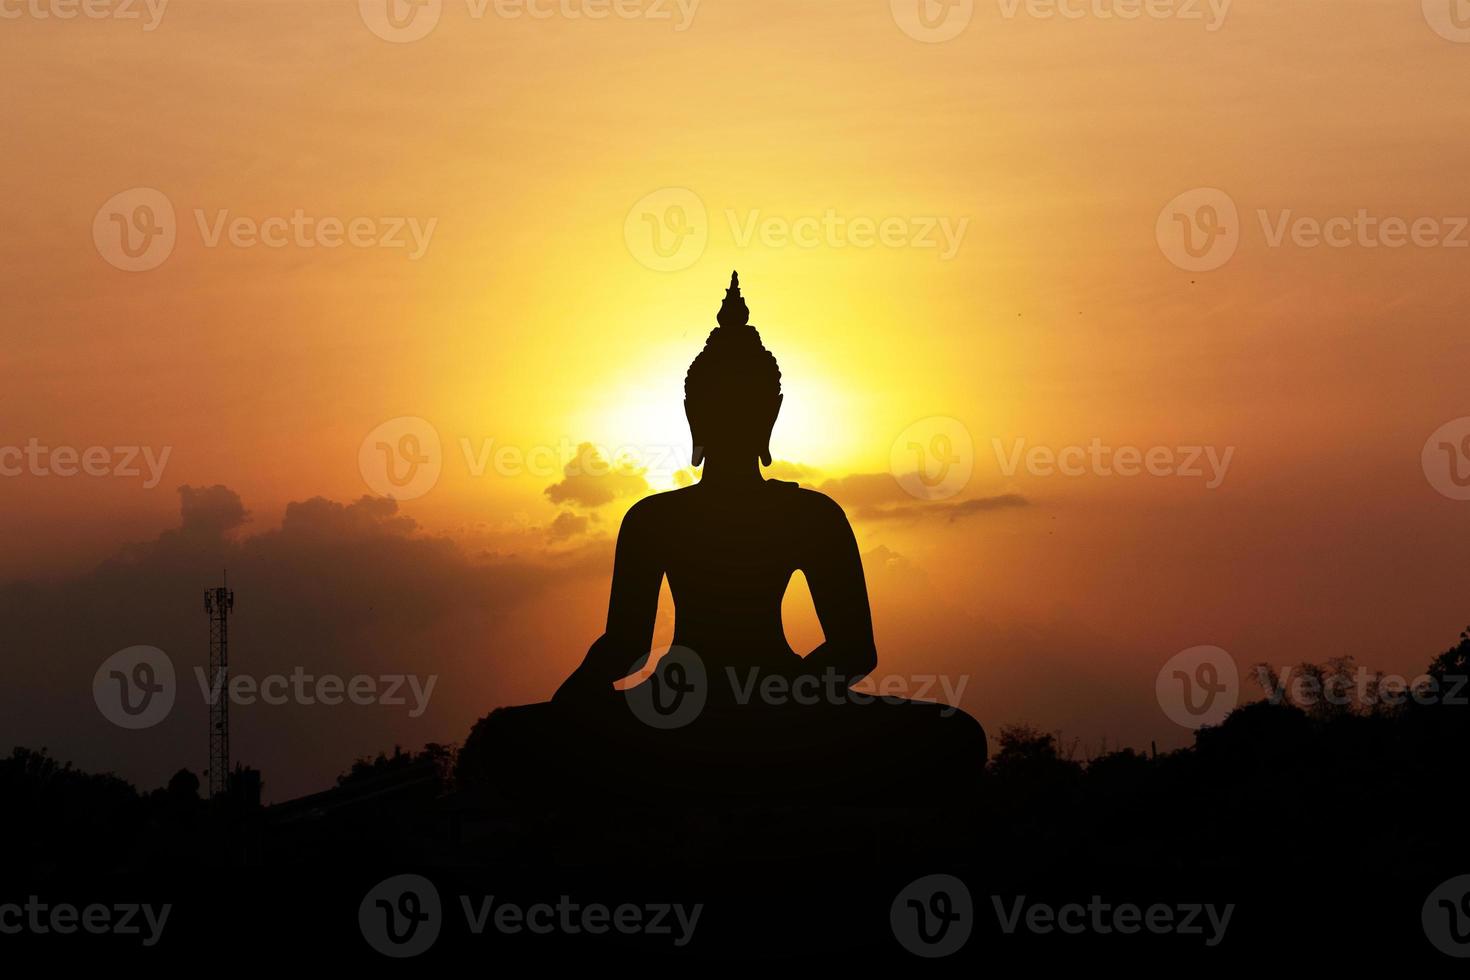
[{"x": 811, "y": 504}]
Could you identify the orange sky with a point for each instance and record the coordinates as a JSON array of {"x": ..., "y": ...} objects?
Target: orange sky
[{"x": 529, "y": 151}]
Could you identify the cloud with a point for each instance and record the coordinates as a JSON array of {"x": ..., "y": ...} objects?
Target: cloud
[
  {"x": 589, "y": 480},
  {"x": 567, "y": 525},
  {"x": 210, "y": 511},
  {"x": 952, "y": 510},
  {"x": 878, "y": 497},
  {"x": 345, "y": 589},
  {"x": 885, "y": 560}
]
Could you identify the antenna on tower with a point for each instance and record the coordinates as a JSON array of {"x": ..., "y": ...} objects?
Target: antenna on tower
[{"x": 219, "y": 603}]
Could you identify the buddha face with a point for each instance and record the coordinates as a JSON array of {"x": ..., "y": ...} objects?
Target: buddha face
[{"x": 734, "y": 428}]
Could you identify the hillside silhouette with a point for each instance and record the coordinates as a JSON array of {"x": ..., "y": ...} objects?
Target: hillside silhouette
[{"x": 1318, "y": 823}]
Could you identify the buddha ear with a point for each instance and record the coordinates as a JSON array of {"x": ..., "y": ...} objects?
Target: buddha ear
[
  {"x": 696, "y": 458},
  {"x": 766, "y": 448}
]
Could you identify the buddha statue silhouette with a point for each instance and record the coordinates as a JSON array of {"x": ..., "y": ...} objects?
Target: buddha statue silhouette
[{"x": 729, "y": 545}]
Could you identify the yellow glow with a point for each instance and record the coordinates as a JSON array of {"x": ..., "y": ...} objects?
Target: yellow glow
[
  {"x": 645, "y": 424},
  {"x": 530, "y": 321}
]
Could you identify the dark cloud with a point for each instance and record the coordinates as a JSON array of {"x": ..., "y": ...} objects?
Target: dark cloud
[
  {"x": 878, "y": 497},
  {"x": 210, "y": 511},
  {"x": 567, "y": 525},
  {"x": 952, "y": 510},
  {"x": 590, "y": 480},
  {"x": 885, "y": 560},
  {"x": 339, "y": 588}
]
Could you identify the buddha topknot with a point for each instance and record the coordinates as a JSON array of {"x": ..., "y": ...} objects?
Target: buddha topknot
[{"x": 734, "y": 366}]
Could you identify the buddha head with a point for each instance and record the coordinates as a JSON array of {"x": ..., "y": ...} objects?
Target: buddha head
[{"x": 732, "y": 392}]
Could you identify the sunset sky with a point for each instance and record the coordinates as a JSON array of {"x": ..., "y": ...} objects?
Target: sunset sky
[{"x": 1021, "y": 169}]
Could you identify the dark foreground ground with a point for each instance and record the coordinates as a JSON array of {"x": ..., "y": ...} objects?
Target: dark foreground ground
[
  {"x": 830, "y": 917},
  {"x": 1283, "y": 838}
]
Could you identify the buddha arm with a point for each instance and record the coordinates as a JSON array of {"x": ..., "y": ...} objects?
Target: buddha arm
[
  {"x": 631, "y": 611},
  {"x": 834, "y": 573}
]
